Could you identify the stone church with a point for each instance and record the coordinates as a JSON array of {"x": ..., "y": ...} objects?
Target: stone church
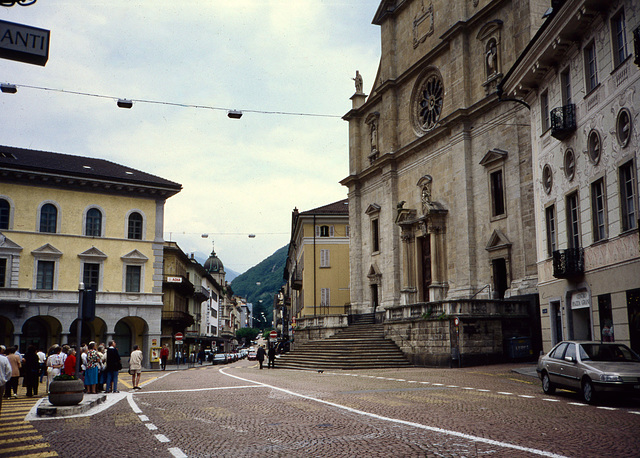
[{"x": 440, "y": 176}]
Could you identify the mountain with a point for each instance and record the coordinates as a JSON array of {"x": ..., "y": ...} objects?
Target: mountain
[{"x": 261, "y": 283}]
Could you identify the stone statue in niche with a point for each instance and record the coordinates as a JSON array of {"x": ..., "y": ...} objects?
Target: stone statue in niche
[
  {"x": 374, "y": 136},
  {"x": 492, "y": 58},
  {"x": 359, "y": 83},
  {"x": 425, "y": 183}
]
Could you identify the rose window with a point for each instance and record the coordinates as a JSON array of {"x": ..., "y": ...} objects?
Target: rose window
[{"x": 430, "y": 101}]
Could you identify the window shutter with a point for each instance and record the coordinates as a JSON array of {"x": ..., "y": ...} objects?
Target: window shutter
[
  {"x": 317, "y": 231},
  {"x": 330, "y": 231}
]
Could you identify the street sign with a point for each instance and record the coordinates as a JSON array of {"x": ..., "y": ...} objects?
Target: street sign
[
  {"x": 456, "y": 321},
  {"x": 179, "y": 336},
  {"x": 178, "y": 342},
  {"x": 273, "y": 335},
  {"x": 24, "y": 43}
]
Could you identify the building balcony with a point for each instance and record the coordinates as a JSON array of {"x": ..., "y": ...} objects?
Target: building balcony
[
  {"x": 563, "y": 121},
  {"x": 178, "y": 282},
  {"x": 568, "y": 263},
  {"x": 296, "y": 280},
  {"x": 178, "y": 319},
  {"x": 201, "y": 293}
]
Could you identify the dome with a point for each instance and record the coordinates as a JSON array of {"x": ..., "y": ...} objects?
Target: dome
[{"x": 213, "y": 264}]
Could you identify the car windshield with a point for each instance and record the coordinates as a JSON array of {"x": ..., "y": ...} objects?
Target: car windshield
[{"x": 607, "y": 352}]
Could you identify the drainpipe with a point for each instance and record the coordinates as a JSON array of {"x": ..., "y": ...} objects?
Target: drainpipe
[{"x": 315, "y": 291}]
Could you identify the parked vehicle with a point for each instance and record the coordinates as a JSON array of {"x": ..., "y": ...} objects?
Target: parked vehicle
[
  {"x": 591, "y": 369},
  {"x": 252, "y": 354},
  {"x": 220, "y": 358}
]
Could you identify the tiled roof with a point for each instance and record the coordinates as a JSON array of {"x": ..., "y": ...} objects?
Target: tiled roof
[
  {"x": 78, "y": 166},
  {"x": 340, "y": 207}
]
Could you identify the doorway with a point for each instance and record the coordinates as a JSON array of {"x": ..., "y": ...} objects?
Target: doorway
[
  {"x": 555, "y": 316},
  {"x": 425, "y": 248},
  {"x": 500, "y": 285}
]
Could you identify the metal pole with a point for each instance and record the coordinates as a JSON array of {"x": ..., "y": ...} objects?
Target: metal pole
[{"x": 79, "y": 327}]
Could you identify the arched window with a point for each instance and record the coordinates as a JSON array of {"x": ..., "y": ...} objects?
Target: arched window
[
  {"x": 135, "y": 226},
  {"x": 94, "y": 223},
  {"x": 48, "y": 218},
  {"x": 5, "y": 214}
]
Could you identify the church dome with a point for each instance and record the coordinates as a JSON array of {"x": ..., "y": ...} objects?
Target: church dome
[{"x": 213, "y": 264}]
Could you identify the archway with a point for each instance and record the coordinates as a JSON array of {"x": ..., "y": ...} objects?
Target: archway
[
  {"x": 6, "y": 331},
  {"x": 42, "y": 332},
  {"x": 123, "y": 338}
]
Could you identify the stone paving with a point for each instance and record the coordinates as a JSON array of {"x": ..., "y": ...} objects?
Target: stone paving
[{"x": 222, "y": 411}]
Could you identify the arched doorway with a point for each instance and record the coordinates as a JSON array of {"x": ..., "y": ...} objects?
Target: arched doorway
[
  {"x": 35, "y": 331},
  {"x": 6, "y": 332},
  {"x": 86, "y": 334},
  {"x": 122, "y": 336}
]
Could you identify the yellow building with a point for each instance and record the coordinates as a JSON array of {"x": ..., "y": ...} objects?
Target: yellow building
[
  {"x": 317, "y": 269},
  {"x": 67, "y": 221}
]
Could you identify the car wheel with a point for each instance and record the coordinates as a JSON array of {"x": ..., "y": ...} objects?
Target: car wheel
[
  {"x": 547, "y": 386},
  {"x": 588, "y": 393}
]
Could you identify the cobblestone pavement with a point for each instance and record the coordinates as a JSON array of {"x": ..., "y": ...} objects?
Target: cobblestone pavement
[{"x": 239, "y": 410}]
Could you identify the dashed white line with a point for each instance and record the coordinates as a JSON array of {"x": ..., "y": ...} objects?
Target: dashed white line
[
  {"x": 607, "y": 408},
  {"x": 151, "y": 426},
  {"x": 143, "y": 418},
  {"x": 177, "y": 452},
  {"x": 403, "y": 422},
  {"x": 162, "y": 438},
  {"x": 528, "y": 396},
  {"x": 505, "y": 393}
]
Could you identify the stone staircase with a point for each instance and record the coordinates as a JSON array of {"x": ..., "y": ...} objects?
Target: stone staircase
[{"x": 361, "y": 345}]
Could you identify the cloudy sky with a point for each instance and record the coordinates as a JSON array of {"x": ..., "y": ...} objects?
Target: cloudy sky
[{"x": 263, "y": 57}]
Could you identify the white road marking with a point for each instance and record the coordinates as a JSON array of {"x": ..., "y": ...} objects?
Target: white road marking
[
  {"x": 528, "y": 396},
  {"x": 151, "y": 426},
  {"x": 143, "y": 418},
  {"x": 505, "y": 393},
  {"x": 162, "y": 438},
  {"x": 403, "y": 422},
  {"x": 196, "y": 389},
  {"x": 175, "y": 451}
]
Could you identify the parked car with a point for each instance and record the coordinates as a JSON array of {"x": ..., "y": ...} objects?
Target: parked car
[
  {"x": 252, "y": 354},
  {"x": 220, "y": 358},
  {"x": 591, "y": 369}
]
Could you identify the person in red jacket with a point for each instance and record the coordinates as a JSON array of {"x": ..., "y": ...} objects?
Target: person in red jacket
[
  {"x": 164, "y": 354},
  {"x": 70, "y": 362}
]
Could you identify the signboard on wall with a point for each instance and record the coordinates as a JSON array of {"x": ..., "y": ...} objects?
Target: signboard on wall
[
  {"x": 580, "y": 300},
  {"x": 24, "y": 43}
]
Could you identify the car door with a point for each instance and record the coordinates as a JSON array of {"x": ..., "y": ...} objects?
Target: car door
[
  {"x": 555, "y": 366},
  {"x": 570, "y": 369}
]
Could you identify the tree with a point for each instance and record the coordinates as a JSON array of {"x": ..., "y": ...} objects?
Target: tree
[{"x": 248, "y": 334}]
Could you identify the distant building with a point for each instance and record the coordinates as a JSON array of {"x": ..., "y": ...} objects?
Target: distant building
[
  {"x": 190, "y": 302},
  {"x": 66, "y": 220},
  {"x": 580, "y": 75},
  {"x": 317, "y": 265},
  {"x": 228, "y": 313}
]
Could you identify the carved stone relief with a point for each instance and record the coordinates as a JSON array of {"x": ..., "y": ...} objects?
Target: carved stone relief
[{"x": 422, "y": 25}]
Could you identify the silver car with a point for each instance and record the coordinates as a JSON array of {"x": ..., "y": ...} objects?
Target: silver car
[{"x": 590, "y": 368}]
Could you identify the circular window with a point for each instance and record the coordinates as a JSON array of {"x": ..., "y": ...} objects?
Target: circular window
[
  {"x": 428, "y": 102},
  {"x": 594, "y": 146},
  {"x": 623, "y": 127},
  {"x": 547, "y": 178},
  {"x": 569, "y": 164}
]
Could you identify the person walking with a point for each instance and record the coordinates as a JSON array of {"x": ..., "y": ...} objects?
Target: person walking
[
  {"x": 31, "y": 371},
  {"x": 135, "y": 367},
  {"x": 16, "y": 363},
  {"x": 260, "y": 355},
  {"x": 42, "y": 361},
  {"x": 164, "y": 355},
  {"x": 5, "y": 372},
  {"x": 272, "y": 356},
  {"x": 114, "y": 364}
]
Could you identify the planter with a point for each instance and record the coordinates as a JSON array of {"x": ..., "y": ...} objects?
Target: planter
[{"x": 66, "y": 392}]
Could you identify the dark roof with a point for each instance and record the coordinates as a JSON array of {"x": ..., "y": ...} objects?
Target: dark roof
[
  {"x": 43, "y": 162},
  {"x": 340, "y": 207}
]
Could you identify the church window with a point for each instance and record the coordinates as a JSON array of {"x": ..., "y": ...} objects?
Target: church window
[
  {"x": 428, "y": 102},
  {"x": 497, "y": 193}
]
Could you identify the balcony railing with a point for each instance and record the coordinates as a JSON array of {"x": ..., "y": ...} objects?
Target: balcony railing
[
  {"x": 563, "y": 121},
  {"x": 178, "y": 318},
  {"x": 568, "y": 263}
]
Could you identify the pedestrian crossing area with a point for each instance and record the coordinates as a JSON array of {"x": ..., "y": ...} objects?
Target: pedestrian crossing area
[{"x": 19, "y": 438}]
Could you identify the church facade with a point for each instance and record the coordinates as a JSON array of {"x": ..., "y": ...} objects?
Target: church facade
[{"x": 440, "y": 174}]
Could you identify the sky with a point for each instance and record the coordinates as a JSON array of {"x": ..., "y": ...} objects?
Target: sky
[{"x": 239, "y": 176}]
